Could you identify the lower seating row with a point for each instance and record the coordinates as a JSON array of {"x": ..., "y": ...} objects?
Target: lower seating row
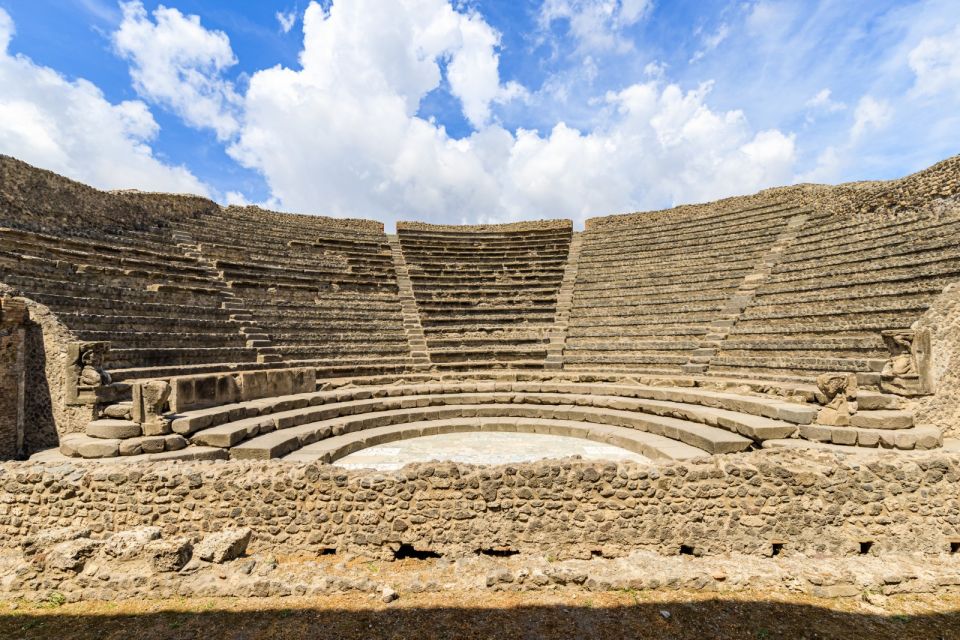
[{"x": 658, "y": 421}]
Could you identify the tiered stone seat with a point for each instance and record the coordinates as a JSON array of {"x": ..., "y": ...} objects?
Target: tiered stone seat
[
  {"x": 486, "y": 295},
  {"x": 315, "y": 291},
  {"x": 129, "y": 289},
  {"x": 650, "y": 286},
  {"x": 665, "y": 420},
  {"x": 710, "y": 421},
  {"x": 842, "y": 282}
]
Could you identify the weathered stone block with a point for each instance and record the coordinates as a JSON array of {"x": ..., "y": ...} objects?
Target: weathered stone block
[
  {"x": 276, "y": 382},
  {"x": 129, "y": 544},
  {"x": 224, "y": 545},
  {"x": 110, "y": 428},
  {"x": 169, "y": 555},
  {"x": 202, "y": 391}
]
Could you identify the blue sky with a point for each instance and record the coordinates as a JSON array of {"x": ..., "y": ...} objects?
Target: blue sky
[{"x": 477, "y": 111}]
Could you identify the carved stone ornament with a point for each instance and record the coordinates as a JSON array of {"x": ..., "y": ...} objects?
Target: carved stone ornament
[
  {"x": 86, "y": 380},
  {"x": 907, "y": 372},
  {"x": 837, "y": 392}
]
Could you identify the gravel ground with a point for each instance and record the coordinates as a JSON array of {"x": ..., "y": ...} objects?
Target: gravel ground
[{"x": 470, "y": 615}]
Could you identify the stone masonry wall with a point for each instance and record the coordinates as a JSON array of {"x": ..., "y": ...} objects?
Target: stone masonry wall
[
  {"x": 808, "y": 502},
  {"x": 12, "y": 354},
  {"x": 46, "y": 410},
  {"x": 41, "y": 200},
  {"x": 943, "y": 407}
]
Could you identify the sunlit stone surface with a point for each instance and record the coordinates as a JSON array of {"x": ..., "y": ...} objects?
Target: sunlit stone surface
[{"x": 482, "y": 448}]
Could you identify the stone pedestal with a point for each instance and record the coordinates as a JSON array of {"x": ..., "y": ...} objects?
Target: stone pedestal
[{"x": 13, "y": 320}]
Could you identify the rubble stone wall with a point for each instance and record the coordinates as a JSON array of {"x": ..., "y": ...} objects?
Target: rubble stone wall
[
  {"x": 47, "y": 414},
  {"x": 942, "y": 409},
  {"x": 12, "y": 352},
  {"x": 936, "y": 185},
  {"x": 814, "y": 502}
]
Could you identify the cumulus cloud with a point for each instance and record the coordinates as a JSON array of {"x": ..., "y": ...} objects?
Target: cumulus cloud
[
  {"x": 871, "y": 114},
  {"x": 596, "y": 24},
  {"x": 345, "y": 138},
  {"x": 69, "y": 127},
  {"x": 936, "y": 63},
  {"x": 179, "y": 64},
  {"x": 286, "y": 20}
]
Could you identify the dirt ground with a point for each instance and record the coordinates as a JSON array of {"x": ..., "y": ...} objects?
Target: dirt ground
[{"x": 482, "y": 615}]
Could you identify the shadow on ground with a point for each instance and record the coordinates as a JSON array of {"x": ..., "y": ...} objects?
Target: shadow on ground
[{"x": 364, "y": 618}]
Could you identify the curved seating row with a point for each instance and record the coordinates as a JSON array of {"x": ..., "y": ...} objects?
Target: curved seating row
[{"x": 336, "y": 421}]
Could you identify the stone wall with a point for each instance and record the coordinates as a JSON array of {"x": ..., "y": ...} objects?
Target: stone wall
[
  {"x": 47, "y": 413},
  {"x": 13, "y": 321},
  {"x": 943, "y": 320},
  {"x": 808, "y": 502}
]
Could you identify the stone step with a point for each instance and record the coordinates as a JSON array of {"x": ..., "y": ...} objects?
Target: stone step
[
  {"x": 882, "y": 419},
  {"x": 113, "y": 429},
  {"x": 351, "y": 416},
  {"x": 650, "y": 445},
  {"x": 923, "y": 437}
]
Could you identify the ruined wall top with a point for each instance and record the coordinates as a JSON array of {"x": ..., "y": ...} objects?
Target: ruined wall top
[
  {"x": 528, "y": 225},
  {"x": 306, "y": 222},
  {"x": 41, "y": 200},
  {"x": 920, "y": 190}
]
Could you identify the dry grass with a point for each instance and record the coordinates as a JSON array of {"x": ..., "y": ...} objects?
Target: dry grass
[{"x": 480, "y": 615}]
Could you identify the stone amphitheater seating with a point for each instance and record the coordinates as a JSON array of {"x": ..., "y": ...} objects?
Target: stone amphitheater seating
[
  {"x": 688, "y": 332},
  {"x": 825, "y": 303},
  {"x": 659, "y": 420},
  {"x": 487, "y": 296},
  {"x": 651, "y": 289},
  {"x": 130, "y": 289},
  {"x": 305, "y": 292}
]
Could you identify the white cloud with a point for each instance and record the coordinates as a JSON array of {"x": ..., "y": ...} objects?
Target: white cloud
[
  {"x": 473, "y": 71},
  {"x": 711, "y": 41},
  {"x": 871, "y": 114},
  {"x": 596, "y": 24},
  {"x": 936, "y": 63},
  {"x": 6, "y": 30},
  {"x": 824, "y": 102},
  {"x": 69, "y": 127},
  {"x": 344, "y": 138},
  {"x": 655, "y": 69},
  {"x": 286, "y": 20},
  {"x": 178, "y": 63}
]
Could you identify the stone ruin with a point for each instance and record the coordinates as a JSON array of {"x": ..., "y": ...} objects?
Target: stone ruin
[{"x": 786, "y": 328}]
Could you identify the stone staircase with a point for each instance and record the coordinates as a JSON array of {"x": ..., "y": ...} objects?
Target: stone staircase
[
  {"x": 411, "y": 316},
  {"x": 728, "y": 317},
  {"x": 558, "y": 336},
  {"x": 254, "y": 336}
]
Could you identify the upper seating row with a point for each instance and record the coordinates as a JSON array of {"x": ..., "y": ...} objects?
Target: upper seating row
[
  {"x": 649, "y": 287},
  {"x": 772, "y": 286},
  {"x": 486, "y": 295}
]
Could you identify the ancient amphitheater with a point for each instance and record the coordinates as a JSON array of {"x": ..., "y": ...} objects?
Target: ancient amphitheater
[{"x": 781, "y": 373}]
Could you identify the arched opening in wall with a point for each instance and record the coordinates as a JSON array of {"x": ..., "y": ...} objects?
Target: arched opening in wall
[{"x": 483, "y": 447}]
